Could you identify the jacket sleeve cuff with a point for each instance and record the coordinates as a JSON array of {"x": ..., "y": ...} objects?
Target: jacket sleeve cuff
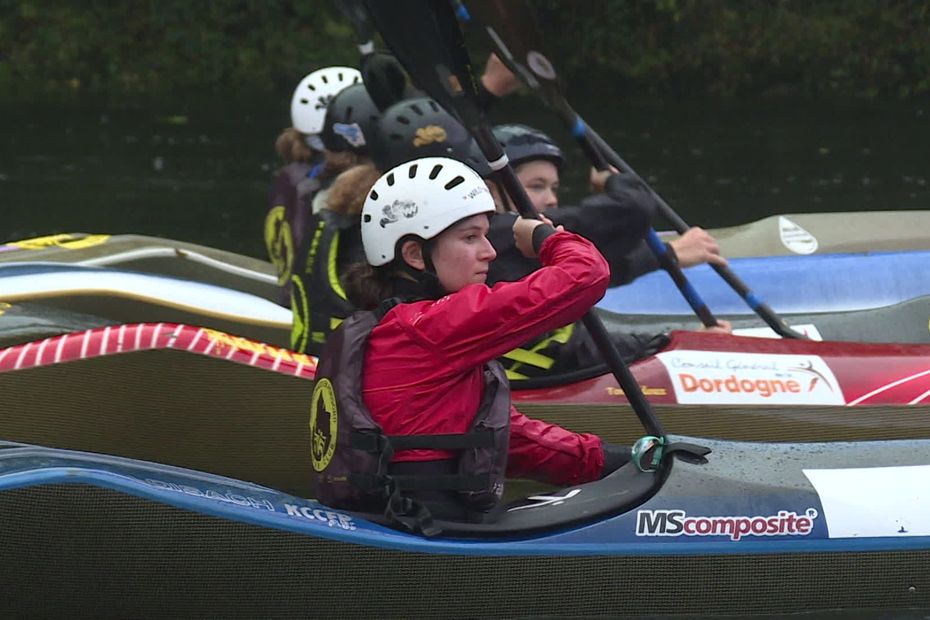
[{"x": 540, "y": 234}]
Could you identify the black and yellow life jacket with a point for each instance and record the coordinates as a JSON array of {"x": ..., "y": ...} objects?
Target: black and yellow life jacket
[
  {"x": 351, "y": 455},
  {"x": 318, "y": 301}
]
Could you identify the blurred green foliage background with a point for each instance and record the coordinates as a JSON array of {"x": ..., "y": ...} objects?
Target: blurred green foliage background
[{"x": 865, "y": 48}]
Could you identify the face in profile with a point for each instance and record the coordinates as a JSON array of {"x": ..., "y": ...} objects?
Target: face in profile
[{"x": 462, "y": 254}]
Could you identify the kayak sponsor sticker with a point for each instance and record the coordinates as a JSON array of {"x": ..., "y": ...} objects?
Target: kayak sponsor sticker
[
  {"x": 725, "y": 378},
  {"x": 228, "y": 497},
  {"x": 670, "y": 523},
  {"x": 330, "y": 518},
  {"x": 66, "y": 240},
  {"x": 807, "y": 329},
  {"x": 796, "y": 238},
  {"x": 538, "y": 501},
  {"x": 874, "y": 501}
]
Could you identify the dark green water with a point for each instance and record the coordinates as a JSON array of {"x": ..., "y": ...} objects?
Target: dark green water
[{"x": 199, "y": 171}]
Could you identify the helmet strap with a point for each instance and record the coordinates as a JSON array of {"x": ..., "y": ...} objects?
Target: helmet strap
[{"x": 419, "y": 284}]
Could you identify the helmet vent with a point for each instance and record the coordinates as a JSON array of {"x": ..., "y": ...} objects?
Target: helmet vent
[
  {"x": 325, "y": 79},
  {"x": 412, "y": 172},
  {"x": 435, "y": 172},
  {"x": 454, "y": 182},
  {"x": 339, "y": 75},
  {"x": 403, "y": 119},
  {"x": 304, "y": 101},
  {"x": 367, "y": 217},
  {"x": 390, "y": 179},
  {"x": 348, "y": 116},
  {"x": 434, "y": 105},
  {"x": 416, "y": 109},
  {"x": 374, "y": 195},
  {"x": 311, "y": 86}
]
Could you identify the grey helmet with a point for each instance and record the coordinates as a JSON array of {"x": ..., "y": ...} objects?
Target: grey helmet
[
  {"x": 417, "y": 128},
  {"x": 351, "y": 121},
  {"x": 523, "y": 143}
]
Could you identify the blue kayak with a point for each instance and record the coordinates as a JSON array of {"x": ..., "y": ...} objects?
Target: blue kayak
[
  {"x": 752, "y": 529},
  {"x": 788, "y": 284}
]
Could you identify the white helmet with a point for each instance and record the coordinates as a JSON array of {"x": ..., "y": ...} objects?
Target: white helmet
[
  {"x": 312, "y": 95},
  {"x": 422, "y": 197}
]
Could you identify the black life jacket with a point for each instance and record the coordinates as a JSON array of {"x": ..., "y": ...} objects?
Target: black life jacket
[
  {"x": 288, "y": 206},
  {"x": 351, "y": 454},
  {"x": 318, "y": 301}
]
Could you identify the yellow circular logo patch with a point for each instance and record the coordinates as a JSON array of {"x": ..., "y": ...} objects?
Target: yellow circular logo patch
[
  {"x": 323, "y": 424},
  {"x": 280, "y": 243}
]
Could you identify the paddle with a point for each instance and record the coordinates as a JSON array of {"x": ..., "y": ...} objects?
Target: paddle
[
  {"x": 555, "y": 99},
  {"x": 425, "y": 37},
  {"x": 537, "y": 72}
]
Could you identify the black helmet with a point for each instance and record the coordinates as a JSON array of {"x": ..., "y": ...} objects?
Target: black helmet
[
  {"x": 351, "y": 121},
  {"x": 522, "y": 144},
  {"x": 418, "y": 128}
]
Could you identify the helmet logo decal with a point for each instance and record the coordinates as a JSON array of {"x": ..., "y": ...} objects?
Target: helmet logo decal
[
  {"x": 352, "y": 133},
  {"x": 322, "y": 102},
  {"x": 398, "y": 208},
  {"x": 540, "y": 65},
  {"x": 429, "y": 135}
]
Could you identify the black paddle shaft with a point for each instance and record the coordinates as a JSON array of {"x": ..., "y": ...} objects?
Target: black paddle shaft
[
  {"x": 425, "y": 37},
  {"x": 535, "y": 70},
  {"x": 539, "y": 74}
]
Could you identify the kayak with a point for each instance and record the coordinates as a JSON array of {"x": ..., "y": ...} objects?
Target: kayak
[
  {"x": 749, "y": 530},
  {"x": 904, "y": 322},
  {"x": 824, "y": 233},
  {"x": 155, "y": 255},
  {"x": 22, "y": 322},
  {"x": 121, "y": 296},
  {"x": 96, "y": 296},
  {"x": 788, "y": 284},
  {"x": 796, "y": 235},
  {"x": 187, "y": 396}
]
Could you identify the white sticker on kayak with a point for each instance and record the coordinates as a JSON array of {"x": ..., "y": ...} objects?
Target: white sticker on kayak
[
  {"x": 796, "y": 238},
  {"x": 808, "y": 329},
  {"x": 874, "y": 501},
  {"x": 725, "y": 378}
]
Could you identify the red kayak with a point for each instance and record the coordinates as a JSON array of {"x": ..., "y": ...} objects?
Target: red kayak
[{"x": 695, "y": 369}]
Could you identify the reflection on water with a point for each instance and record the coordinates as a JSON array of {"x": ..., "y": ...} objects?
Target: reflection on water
[{"x": 199, "y": 172}]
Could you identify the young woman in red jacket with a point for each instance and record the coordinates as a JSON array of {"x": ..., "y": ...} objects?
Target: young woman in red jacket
[{"x": 434, "y": 427}]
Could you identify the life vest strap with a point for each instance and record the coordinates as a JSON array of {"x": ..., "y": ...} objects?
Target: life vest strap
[
  {"x": 421, "y": 482},
  {"x": 374, "y": 442}
]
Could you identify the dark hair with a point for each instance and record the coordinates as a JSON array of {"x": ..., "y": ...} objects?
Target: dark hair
[
  {"x": 368, "y": 286},
  {"x": 291, "y": 146}
]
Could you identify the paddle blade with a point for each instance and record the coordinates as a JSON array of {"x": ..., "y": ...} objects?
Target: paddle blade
[
  {"x": 511, "y": 25},
  {"x": 425, "y": 38}
]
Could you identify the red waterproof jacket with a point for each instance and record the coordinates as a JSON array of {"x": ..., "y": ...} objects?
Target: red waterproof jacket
[{"x": 423, "y": 368}]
